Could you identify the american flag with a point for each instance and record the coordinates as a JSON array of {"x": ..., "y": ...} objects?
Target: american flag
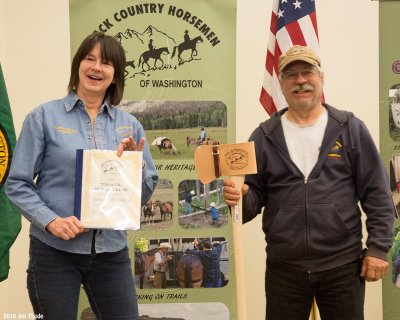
[{"x": 293, "y": 22}]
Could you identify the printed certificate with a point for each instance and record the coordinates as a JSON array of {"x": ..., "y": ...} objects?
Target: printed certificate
[{"x": 108, "y": 189}]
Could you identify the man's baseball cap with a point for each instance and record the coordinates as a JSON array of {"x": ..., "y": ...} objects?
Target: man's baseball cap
[{"x": 298, "y": 53}]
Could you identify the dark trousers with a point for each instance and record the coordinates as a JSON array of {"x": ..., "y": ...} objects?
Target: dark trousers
[
  {"x": 55, "y": 278},
  {"x": 339, "y": 293}
]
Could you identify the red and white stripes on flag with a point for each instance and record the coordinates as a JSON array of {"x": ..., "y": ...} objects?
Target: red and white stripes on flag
[{"x": 293, "y": 22}]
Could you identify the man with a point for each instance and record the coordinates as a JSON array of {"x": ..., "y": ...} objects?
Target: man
[
  {"x": 186, "y": 38},
  {"x": 151, "y": 46},
  {"x": 209, "y": 256},
  {"x": 188, "y": 202},
  {"x": 315, "y": 164},
  {"x": 161, "y": 260},
  {"x": 202, "y": 135}
]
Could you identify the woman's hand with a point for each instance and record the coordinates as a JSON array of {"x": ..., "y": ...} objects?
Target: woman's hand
[
  {"x": 129, "y": 144},
  {"x": 66, "y": 228}
]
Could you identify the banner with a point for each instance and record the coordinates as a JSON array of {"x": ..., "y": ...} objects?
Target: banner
[
  {"x": 9, "y": 215},
  {"x": 180, "y": 84},
  {"x": 389, "y": 111}
]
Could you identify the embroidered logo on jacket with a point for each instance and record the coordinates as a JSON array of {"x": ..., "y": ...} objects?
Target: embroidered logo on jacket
[
  {"x": 65, "y": 130},
  {"x": 124, "y": 131},
  {"x": 335, "y": 152}
]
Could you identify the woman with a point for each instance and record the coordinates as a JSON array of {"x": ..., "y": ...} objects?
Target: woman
[{"x": 63, "y": 254}]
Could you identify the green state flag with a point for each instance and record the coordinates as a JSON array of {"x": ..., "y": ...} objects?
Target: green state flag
[{"x": 10, "y": 217}]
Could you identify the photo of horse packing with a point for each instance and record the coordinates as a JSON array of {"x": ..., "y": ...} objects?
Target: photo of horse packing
[
  {"x": 174, "y": 128},
  {"x": 187, "y": 267}
]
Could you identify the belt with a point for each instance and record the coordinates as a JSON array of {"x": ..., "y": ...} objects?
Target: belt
[{"x": 158, "y": 271}]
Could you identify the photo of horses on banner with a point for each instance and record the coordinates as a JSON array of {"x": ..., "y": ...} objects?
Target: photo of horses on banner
[
  {"x": 175, "y": 128},
  {"x": 202, "y": 205},
  {"x": 157, "y": 213},
  {"x": 185, "y": 266},
  {"x": 165, "y": 143}
]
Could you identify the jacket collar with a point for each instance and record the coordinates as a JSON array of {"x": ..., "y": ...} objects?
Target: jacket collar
[
  {"x": 340, "y": 116},
  {"x": 72, "y": 101}
]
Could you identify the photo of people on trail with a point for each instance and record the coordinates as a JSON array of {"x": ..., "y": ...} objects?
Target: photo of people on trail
[
  {"x": 202, "y": 205},
  {"x": 181, "y": 263},
  {"x": 394, "y": 179},
  {"x": 395, "y": 257},
  {"x": 175, "y": 128},
  {"x": 158, "y": 211},
  {"x": 394, "y": 112}
]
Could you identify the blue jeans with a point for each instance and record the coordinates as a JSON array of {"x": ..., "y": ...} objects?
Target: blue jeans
[
  {"x": 339, "y": 293},
  {"x": 217, "y": 283},
  {"x": 55, "y": 278},
  {"x": 188, "y": 208}
]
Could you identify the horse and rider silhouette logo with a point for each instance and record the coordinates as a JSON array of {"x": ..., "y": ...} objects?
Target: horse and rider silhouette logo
[{"x": 155, "y": 50}]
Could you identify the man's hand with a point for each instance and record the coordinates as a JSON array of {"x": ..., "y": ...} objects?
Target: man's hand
[
  {"x": 65, "y": 228},
  {"x": 373, "y": 268},
  {"x": 231, "y": 194}
]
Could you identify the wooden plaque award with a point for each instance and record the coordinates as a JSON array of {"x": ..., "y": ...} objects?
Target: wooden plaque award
[{"x": 233, "y": 160}]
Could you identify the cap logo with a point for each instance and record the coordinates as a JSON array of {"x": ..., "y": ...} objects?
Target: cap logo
[{"x": 296, "y": 52}]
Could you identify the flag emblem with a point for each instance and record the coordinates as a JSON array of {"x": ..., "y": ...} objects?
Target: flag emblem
[{"x": 5, "y": 155}]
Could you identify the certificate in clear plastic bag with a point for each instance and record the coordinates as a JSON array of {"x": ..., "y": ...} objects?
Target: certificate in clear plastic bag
[{"x": 108, "y": 189}]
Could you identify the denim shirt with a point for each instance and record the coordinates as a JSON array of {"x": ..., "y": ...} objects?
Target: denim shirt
[{"x": 42, "y": 175}]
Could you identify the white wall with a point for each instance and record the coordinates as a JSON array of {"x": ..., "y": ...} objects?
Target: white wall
[{"x": 34, "y": 52}]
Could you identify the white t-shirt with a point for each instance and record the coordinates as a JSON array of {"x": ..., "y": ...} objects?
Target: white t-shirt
[{"x": 304, "y": 141}]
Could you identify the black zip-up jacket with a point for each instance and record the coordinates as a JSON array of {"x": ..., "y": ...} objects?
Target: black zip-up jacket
[{"x": 314, "y": 224}]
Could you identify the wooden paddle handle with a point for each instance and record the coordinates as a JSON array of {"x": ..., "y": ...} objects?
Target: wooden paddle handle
[{"x": 236, "y": 212}]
